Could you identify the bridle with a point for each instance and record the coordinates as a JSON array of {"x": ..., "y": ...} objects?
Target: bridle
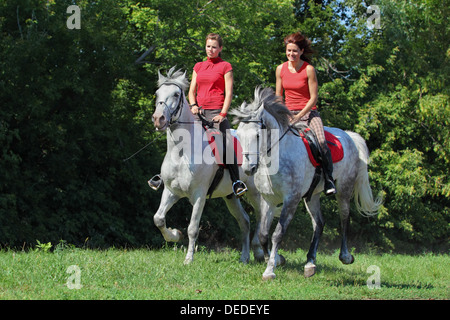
[
  {"x": 171, "y": 121},
  {"x": 262, "y": 126},
  {"x": 247, "y": 154},
  {"x": 178, "y": 108}
]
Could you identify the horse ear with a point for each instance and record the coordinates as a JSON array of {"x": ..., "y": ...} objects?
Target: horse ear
[
  {"x": 260, "y": 111},
  {"x": 161, "y": 79}
]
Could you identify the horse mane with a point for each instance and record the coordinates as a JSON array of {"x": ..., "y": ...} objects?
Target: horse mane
[
  {"x": 271, "y": 103},
  {"x": 177, "y": 77}
]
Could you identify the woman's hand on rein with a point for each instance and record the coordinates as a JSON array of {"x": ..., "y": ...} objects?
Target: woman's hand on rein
[
  {"x": 218, "y": 118},
  {"x": 195, "y": 109}
]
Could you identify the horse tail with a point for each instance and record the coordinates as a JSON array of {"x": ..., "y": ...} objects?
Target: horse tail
[{"x": 363, "y": 197}]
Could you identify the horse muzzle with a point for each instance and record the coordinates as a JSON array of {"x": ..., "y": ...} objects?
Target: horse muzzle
[{"x": 159, "y": 121}]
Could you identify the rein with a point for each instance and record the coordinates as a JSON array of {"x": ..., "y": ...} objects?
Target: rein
[
  {"x": 147, "y": 145},
  {"x": 205, "y": 123},
  {"x": 203, "y": 120}
]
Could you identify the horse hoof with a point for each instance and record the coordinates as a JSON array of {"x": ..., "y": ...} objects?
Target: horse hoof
[
  {"x": 310, "y": 270},
  {"x": 259, "y": 258},
  {"x": 188, "y": 261},
  {"x": 258, "y": 255},
  {"x": 347, "y": 260},
  {"x": 244, "y": 260},
  {"x": 281, "y": 260},
  {"x": 268, "y": 276},
  {"x": 175, "y": 235}
]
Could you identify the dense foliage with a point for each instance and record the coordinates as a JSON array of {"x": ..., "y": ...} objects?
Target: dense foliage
[{"x": 75, "y": 102}]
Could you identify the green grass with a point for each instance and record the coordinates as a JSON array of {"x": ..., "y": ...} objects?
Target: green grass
[{"x": 160, "y": 274}]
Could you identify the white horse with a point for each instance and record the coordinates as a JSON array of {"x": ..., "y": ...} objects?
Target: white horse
[
  {"x": 189, "y": 168},
  {"x": 283, "y": 174}
]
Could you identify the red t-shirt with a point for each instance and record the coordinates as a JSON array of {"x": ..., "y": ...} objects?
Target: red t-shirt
[
  {"x": 295, "y": 85},
  {"x": 211, "y": 82}
]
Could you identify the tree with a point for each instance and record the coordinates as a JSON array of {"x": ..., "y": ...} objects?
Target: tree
[{"x": 63, "y": 138}]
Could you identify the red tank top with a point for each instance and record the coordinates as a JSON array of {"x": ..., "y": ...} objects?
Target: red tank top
[{"x": 295, "y": 85}]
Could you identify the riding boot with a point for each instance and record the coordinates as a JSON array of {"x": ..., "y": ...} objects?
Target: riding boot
[
  {"x": 327, "y": 167},
  {"x": 155, "y": 182},
  {"x": 239, "y": 187}
]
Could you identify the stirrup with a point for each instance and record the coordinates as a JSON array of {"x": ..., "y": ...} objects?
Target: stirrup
[
  {"x": 330, "y": 190},
  {"x": 240, "y": 190},
  {"x": 155, "y": 182}
]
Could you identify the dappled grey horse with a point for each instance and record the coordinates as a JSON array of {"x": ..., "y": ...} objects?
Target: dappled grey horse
[
  {"x": 283, "y": 174},
  {"x": 189, "y": 168}
]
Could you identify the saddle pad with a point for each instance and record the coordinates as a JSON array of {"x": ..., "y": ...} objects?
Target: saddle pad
[
  {"x": 215, "y": 141},
  {"x": 335, "y": 146}
]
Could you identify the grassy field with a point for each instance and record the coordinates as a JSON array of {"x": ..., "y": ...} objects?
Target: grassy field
[{"x": 72, "y": 273}]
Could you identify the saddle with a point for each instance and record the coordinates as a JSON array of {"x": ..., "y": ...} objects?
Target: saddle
[
  {"x": 223, "y": 155},
  {"x": 216, "y": 141},
  {"x": 312, "y": 145}
]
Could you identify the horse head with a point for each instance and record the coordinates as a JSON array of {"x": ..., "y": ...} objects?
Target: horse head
[
  {"x": 169, "y": 98},
  {"x": 256, "y": 123}
]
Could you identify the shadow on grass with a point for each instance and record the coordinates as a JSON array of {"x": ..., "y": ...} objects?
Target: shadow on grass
[{"x": 342, "y": 276}]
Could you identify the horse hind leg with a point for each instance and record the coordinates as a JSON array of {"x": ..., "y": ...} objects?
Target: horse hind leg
[
  {"x": 343, "y": 199},
  {"x": 313, "y": 207},
  {"x": 238, "y": 212},
  {"x": 168, "y": 199}
]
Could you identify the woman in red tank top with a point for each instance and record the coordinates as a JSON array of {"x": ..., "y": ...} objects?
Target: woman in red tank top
[{"x": 297, "y": 79}]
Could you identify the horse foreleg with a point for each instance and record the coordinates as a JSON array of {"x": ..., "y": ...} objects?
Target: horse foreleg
[
  {"x": 256, "y": 200},
  {"x": 264, "y": 227},
  {"x": 287, "y": 213},
  {"x": 193, "y": 228},
  {"x": 313, "y": 207},
  {"x": 238, "y": 212},
  {"x": 168, "y": 199}
]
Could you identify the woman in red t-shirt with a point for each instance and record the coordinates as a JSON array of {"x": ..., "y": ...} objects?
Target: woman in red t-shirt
[
  {"x": 211, "y": 92},
  {"x": 297, "y": 79}
]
